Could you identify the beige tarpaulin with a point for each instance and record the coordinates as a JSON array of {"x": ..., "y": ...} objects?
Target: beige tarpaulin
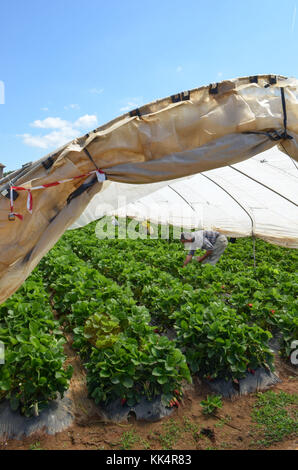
[{"x": 188, "y": 133}]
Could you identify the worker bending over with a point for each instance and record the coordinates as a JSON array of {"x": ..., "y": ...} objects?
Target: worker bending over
[{"x": 213, "y": 242}]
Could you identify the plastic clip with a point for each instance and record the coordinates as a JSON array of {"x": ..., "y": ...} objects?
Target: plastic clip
[
  {"x": 272, "y": 79},
  {"x": 48, "y": 163},
  {"x": 176, "y": 98},
  {"x": 6, "y": 193},
  {"x": 135, "y": 112},
  {"x": 185, "y": 95},
  {"x": 213, "y": 88}
]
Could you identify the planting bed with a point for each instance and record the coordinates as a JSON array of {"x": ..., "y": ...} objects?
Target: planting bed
[{"x": 142, "y": 327}]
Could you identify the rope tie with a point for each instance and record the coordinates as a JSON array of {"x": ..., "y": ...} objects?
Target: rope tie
[{"x": 101, "y": 177}]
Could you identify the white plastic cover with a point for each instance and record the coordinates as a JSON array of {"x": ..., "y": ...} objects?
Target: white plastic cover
[{"x": 256, "y": 197}]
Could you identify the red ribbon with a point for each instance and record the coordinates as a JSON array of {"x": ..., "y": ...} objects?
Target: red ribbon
[{"x": 47, "y": 185}]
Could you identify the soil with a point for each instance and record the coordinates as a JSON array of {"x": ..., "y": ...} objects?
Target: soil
[{"x": 187, "y": 428}]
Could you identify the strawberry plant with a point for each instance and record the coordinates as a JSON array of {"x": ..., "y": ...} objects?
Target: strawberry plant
[
  {"x": 132, "y": 369},
  {"x": 211, "y": 404},
  {"x": 33, "y": 372},
  {"x": 101, "y": 330},
  {"x": 218, "y": 343}
]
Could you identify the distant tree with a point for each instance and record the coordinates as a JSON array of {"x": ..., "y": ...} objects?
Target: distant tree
[{"x": 7, "y": 172}]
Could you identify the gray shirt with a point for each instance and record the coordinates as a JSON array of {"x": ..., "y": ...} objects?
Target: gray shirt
[{"x": 209, "y": 238}]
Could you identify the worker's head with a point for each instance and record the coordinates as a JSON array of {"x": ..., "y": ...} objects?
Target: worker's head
[{"x": 187, "y": 237}]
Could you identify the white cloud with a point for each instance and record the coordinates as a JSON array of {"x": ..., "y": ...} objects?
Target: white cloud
[
  {"x": 219, "y": 74},
  {"x": 63, "y": 131},
  {"x": 72, "y": 106},
  {"x": 49, "y": 123},
  {"x": 53, "y": 139},
  {"x": 179, "y": 69},
  {"x": 96, "y": 91},
  {"x": 44, "y": 109},
  {"x": 28, "y": 139},
  {"x": 85, "y": 122},
  {"x": 132, "y": 103}
]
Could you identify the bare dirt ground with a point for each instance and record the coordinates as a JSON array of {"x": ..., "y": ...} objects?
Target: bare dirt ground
[{"x": 182, "y": 430}]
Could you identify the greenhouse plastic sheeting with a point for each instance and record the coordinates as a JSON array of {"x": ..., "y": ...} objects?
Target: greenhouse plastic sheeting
[
  {"x": 257, "y": 197},
  {"x": 191, "y": 132}
]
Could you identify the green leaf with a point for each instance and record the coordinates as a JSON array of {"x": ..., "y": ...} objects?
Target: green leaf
[
  {"x": 162, "y": 380},
  {"x": 115, "y": 380},
  {"x": 35, "y": 342},
  {"x": 127, "y": 382}
]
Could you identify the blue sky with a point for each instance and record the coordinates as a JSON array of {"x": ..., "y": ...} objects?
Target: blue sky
[{"x": 70, "y": 65}]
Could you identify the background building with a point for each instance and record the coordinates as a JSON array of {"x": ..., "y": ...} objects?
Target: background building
[{"x": 1, "y": 169}]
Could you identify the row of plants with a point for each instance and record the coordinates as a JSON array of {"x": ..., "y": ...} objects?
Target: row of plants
[
  {"x": 121, "y": 298},
  {"x": 265, "y": 296},
  {"x": 124, "y": 357},
  {"x": 208, "y": 331},
  {"x": 33, "y": 372},
  {"x": 219, "y": 344}
]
